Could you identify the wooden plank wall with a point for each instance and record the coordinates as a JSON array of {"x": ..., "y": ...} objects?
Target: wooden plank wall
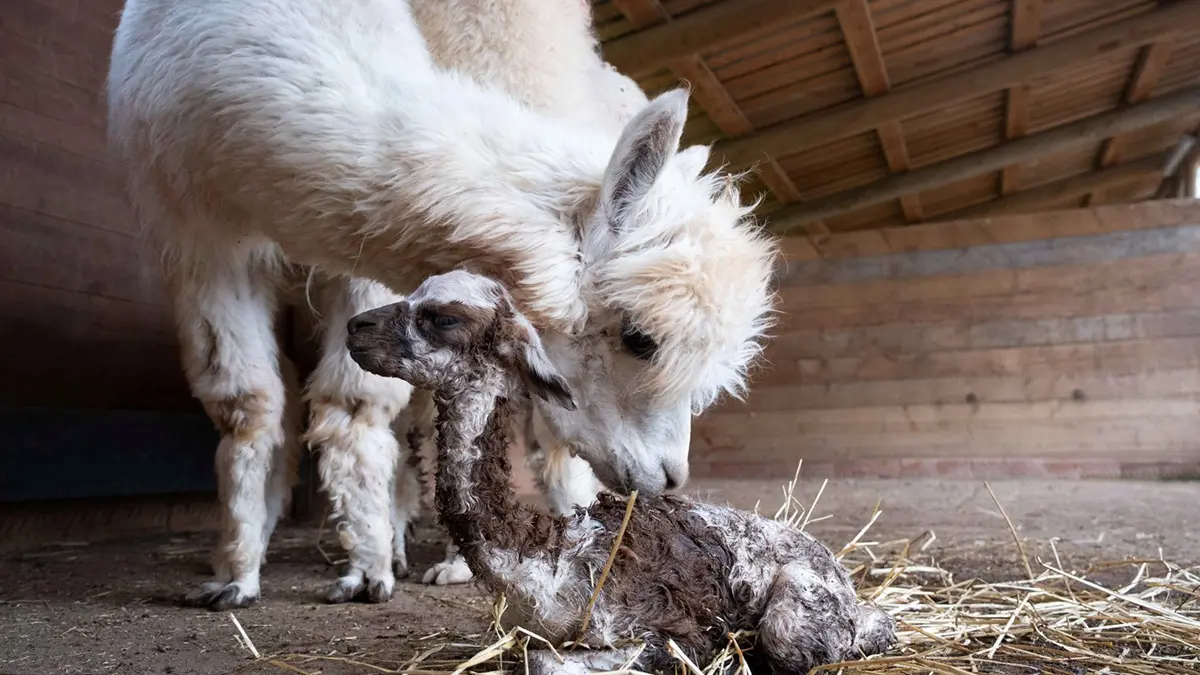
[
  {"x": 83, "y": 320},
  {"x": 1061, "y": 344}
]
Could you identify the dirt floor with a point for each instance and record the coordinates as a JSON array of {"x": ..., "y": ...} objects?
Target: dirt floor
[{"x": 114, "y": 607}]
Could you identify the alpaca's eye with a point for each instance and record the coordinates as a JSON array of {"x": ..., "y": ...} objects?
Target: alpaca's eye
[
  {"x": 445, "y": 321},
  {"x": 639, "y": 344}
]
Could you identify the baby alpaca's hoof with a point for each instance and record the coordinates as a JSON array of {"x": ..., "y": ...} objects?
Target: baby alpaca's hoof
[
  {"x": 876, "y": 631},
  {"x": 448, "y": 573},
  {"x": 221, "y": 596}
]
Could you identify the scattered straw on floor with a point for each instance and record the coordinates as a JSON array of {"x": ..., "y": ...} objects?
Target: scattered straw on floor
[{"x": 1056, "y": 621}]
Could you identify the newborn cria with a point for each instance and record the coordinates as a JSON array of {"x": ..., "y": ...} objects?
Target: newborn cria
[{"x": 686, "y": 571}]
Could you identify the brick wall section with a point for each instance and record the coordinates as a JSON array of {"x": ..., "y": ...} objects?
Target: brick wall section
[
  {"x": 83, "y": 319},
  {"x": 1062, "y": 345}
]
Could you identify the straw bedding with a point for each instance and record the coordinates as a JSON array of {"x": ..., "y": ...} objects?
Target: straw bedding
[{"x": 1050, "y": 620}]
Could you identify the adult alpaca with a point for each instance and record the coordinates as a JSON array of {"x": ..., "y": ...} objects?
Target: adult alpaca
[
  {"x": 261, "y": 134},
  {"x": 362, "y": 467}
]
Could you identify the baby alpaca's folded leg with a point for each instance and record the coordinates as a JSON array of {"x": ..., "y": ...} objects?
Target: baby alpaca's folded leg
[
  {"x": 876, "y": 631},
  {"x": 582, "y": 662},
  {"x": 807, "y": 621}
]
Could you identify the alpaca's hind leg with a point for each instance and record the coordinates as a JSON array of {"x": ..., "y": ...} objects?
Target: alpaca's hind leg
[
  {"x": 351, "y": 413},
  {"x": 582, "y": 662},
  {"x": 225, "y": 304},
  {"x": 415, "y": 425},
  {"x": 452, "y": 570},
  {"x": 282, "y": 478},
  {"x": 807, "y": 622},
  {"x": 406, "y": 507}
]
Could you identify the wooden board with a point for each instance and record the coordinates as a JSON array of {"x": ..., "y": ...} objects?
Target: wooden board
[
  {"x": 1020, "y": 352},
  {"x": 83, "y": 314}
]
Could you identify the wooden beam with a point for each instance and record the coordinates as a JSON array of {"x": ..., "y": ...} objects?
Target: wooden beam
[
  {"x": 858, "y": 29},
  {"x": 1035, "y": 199},
  {"x": 866, "y": 114},
  {"x": 1148, "y": 70},
  {"x": 710, "y": 94},
  {"x": 1026, "y": 25},
  {"x": 710, "y": 26},
  {"x": 1016, "y": 125},
  {"x": 1181, "y": 103}
]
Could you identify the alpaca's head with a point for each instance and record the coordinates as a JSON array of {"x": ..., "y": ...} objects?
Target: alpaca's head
[
  {"x": 457, "y": 333},
  {"x": 677, "y": 284}
]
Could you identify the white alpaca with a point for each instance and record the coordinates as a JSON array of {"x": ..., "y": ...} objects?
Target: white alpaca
[{"x": 324, "y": 134}]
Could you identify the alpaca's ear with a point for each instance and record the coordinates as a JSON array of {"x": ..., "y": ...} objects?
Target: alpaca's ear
[
  {"x": 648, "y": 141},
  {"x": 694, "y": 159},
  {"x": 527, "y": 356},
  {"x": 541, "y": 378}
]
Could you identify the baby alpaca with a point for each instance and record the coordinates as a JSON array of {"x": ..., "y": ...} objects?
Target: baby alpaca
[{"x": 686, "y": 571}]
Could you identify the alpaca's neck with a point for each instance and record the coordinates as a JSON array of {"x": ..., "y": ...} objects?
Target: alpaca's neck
[
  {"x": 464, "y": 175},
  {"x": 475, "y": 499}
]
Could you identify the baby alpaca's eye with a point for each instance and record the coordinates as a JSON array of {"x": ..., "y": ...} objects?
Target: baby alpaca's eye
[
  {"x": 641, "y": 345},
  {"x": 445, "y": 321}
]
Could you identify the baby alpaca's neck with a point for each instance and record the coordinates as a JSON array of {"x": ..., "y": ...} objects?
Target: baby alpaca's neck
[{"x": 475, "y": 499}]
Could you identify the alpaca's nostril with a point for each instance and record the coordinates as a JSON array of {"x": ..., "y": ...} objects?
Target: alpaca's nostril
[{"x": 358, "y": 323}]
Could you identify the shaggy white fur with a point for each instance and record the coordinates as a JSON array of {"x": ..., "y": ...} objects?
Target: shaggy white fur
[{"x": 262, "y": 134}]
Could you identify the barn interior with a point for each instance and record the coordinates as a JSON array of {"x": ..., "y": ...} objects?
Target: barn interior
[{"x": 988, "y": 349}]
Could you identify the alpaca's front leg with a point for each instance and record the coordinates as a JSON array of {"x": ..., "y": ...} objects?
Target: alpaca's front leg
[
  {"x": 224, "y": 310},
  {"x": 351, "y": 413},
  {"x": 567, "y": 480}
]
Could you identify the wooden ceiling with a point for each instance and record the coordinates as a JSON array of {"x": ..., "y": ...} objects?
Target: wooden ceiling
[{"x": 865, "y": 114}]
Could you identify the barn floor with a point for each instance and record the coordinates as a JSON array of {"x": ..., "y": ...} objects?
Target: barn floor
[{"x": 113, "y": 607}]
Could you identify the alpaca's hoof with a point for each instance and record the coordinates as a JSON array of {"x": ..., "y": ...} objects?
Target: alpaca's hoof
[
  {"x": 380, "y": 590},
  {"x": 448, "y": 573},
  {"x": 400, "y": 569},
  {"x": 356, "y": 586},
  {"x": 345, "y": 588},
  {"x": 216, "y": 595}
]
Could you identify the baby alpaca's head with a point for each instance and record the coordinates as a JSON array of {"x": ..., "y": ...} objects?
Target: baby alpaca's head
[{"x": 456, "y": 331}]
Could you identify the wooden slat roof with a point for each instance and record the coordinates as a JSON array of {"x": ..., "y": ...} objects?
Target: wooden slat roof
[{"x": 849, "y": 110}]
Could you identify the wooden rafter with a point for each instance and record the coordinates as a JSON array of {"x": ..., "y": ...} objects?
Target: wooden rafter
[
  {"x": 1075, "y": 187},
  {"x": 705, "y": 28},
  {"x": 858, "y": 28},
  {"x": 864, "y": 115},
  {"x": 1090, "y": 130},
  {"x": 1151, "y": 63},
  {"x": 711, "y": 95},
  {"x": 1026, "y": 25}
]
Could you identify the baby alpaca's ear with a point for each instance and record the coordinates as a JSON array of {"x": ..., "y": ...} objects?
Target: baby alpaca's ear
[
  {"x": 541, "y": 378},
  {"x": 528, "y": 358}
]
